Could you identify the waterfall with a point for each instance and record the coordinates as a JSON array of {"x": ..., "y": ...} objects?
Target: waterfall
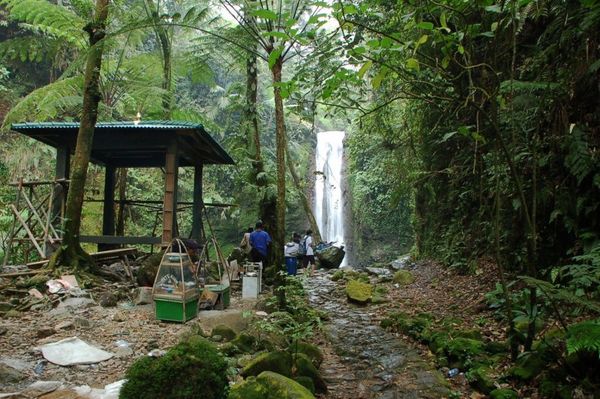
[{"x": 329, "y": 200}]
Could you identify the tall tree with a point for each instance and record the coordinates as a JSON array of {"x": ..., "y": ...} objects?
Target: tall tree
[{"x": 70, "y": 252}]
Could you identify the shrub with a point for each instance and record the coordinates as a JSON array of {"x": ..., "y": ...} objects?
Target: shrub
[{"x": 191, "y": 369}]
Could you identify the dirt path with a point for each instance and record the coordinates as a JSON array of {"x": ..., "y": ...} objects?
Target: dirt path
[{"x": 364, "y": 361}]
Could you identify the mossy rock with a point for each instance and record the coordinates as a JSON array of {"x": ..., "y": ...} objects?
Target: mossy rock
[
  {"x": 480, "y": 379},
  {"x": 496, "y": 347},
  {"x": 227, "y": 333},
  {"x": 404, "y": 277},
  {"x": 147, "y": 271},
  {"x": 359, "y": 292},
  {"x": 338, "y": 275},
  {"x": 303, "y": 367},
  {"x": 503, "y": 393},
  {"x": 313, "y": 352},
  {"x": 306, "y": 382},
  {"x": 463, "y": 350},
  {"x": 245, "y": 343},
  {"x": 528, "y": 366},
  {"x": 38, "y": 281},
  {"x": 278, "y": 362},
  {"x": 412, "y": 326},
  {"x": 269, "y": 385}
]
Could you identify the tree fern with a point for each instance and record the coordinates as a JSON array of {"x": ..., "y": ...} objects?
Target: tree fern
[
  {"x": 29, "y": 48},
  {"x": 579, "y": 159},
  {"x": 45, "y": 103},
  {"x": 49, "y": 18},
  {"x": 584, "y": 336}
]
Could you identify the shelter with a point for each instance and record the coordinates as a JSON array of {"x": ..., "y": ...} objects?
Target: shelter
[{"x": 144, "y": 144}]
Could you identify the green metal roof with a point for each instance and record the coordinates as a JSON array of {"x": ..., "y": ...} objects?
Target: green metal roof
[{"x": 130, "y": 144}]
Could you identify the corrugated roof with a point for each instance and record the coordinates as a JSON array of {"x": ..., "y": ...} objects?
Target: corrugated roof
[{"x": 63, "y": 134}]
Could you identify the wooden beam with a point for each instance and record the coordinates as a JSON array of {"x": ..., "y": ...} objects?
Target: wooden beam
[
  {"x": 170, "y": 198},
  {"x": 108, "y": 211},
  {"x": 118, "y": 240},
  {"x": 197, "y": 205}
]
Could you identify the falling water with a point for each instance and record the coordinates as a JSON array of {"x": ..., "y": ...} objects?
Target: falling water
[{"x": 329, "y": 201}]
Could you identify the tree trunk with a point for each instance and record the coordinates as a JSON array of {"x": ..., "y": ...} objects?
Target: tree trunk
[
  {"x": 279, "y": 236},
  {"x": 305, "y": 204},
  {"x": 70, "y": 252},
  {"x": 251, "y": 114},
  {"x": 163, "y": 40}
]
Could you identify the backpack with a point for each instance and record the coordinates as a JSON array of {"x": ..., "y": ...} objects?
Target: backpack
[{"x": 302, "y": 249}]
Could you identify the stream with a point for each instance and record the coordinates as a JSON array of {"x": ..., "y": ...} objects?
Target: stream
[{"x": 373, "y": 361}]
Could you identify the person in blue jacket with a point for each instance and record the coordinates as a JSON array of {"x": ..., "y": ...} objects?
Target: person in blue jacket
[{"x": 260, "y": 241}]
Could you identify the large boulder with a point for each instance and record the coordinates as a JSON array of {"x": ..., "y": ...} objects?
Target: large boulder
[
  {"x": 269, "y": 385},
  {"x": 330, "y": 257},
  {"x": 359, "y": 292},
  {"x": 279, "y": 362},
  {"x": 147, "y": 271}
]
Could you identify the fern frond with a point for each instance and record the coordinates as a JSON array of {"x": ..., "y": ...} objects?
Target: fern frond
[
  {"x": 579, "y": 159},
  {"x": 29, "y": 48},
  {"x": 45, "y": 103},
  {"x": 49, "y": 18},
  {"x": 561, "y": 294},
  {"x": 584, "y": 336}
]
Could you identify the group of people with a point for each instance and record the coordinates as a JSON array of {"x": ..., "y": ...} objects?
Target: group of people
[{"x": 256, "y": 243}]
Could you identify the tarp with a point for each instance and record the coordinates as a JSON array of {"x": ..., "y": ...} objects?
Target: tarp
[{"x": 71, "y": 351}]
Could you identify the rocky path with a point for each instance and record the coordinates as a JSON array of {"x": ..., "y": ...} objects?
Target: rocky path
[{"x": 364, "y": 361}]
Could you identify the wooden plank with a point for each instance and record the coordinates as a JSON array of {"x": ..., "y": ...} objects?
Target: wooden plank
[
  {"x": 25, "y": 273},
  {"x": 144, "y": 240},
  {"x": 29, "y": 233},
  {"x": 118, "y": 251}
]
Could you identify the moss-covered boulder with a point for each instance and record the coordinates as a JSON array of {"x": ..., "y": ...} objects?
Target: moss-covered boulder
[
  {"x": 528, "y": 366},
  {"x": 269, "y": 385},
  {"x": 503, "y": 393},
  {"x": 311, "y": 351},
  {"x": 225, "y": 332},
  {"x": 330, "y": 257},
  {"x": 245, "y": 343},
  {"x": 463, "y": 350},
  {"x": 303, "y": 367},
  {"x": 306, "y": 382},
  {"x": 338, "y": 275},
  {"x": 277, "y": 361},
  {"x": 147, "y": 271},
  {"x": 404, "y": 277},
  {"x": 359, "y": 292},
  {"x": 481, "y": 379}
]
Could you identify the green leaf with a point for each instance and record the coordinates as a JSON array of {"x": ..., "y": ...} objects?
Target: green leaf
[
  {"x": 277, "y": 35},
  {"x": 412, "y": 63},
  {"x": 443, "y": 21},
  {"x": 422, "y": 40},
  {"x": 274, "y": 56},
  {"x": 425, "y": 25},
  {"x": 495, "y": 9},
  {"x": 364, "y": 69},
  {"x": 376, "y": 82},
  {"x": 265, "y": 14},
  {"x": 461, "y": 49}
]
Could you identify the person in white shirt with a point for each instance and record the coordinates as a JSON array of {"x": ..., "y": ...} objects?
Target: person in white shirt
[{"x": 309, "y": 258}]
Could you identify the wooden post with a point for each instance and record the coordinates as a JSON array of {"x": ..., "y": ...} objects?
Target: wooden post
[
  {"x": 197, "y": 206},
  {"x": 170, "y": 200},
  {"x": 59, "y": 196},
  {"x": 108, "y": 212}
]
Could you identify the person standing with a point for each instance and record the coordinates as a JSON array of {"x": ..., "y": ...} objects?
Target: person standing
[
  {"x": 260, "y": 241},
  {"x": 309, "y": 258},
  {"x": 245, "y": 244},
  {"x": 290, "y": 251}
]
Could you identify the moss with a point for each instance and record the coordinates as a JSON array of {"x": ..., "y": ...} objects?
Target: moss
[
  {"x": 496, "y": 347},
  {"x": 278, "y": 362},
  {"x": 306, "y": 382},
  {"x": 269, "y": 385},
  {"x": 412, "y": 326},
  {"x": 188, "y": 368},
  {"x": 38, "y": 281},
  {"x": 503, "y": 393},
  {"x": 245, "y": 343},
  {"x": 403, "y": 277},
  {"x": 358, "y": 292},
  {"x": 463, "y": 350},
  {"x": 338, "y": 275},
  {"x": 227, "y": 333},
  {"x": 528, "y": 366},
  {"x": 303, "y": 367},
  {"x": 311, "y": 351},
  {"x": 480, "y": 378}
]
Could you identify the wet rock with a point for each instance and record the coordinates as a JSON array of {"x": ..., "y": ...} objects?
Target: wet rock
[
  {"x": 305, "y": 368},
  {"x": 76, "y": 303},
  {"x": 143, "y": 295},
  {"x": 10, "y": 374},
  {"x": 147, "y": 271},
  {"x": 108, "y": 300},
  {"x": 5, "y": 306},
  {"x": 82, "y": 322},
  {"x": 404, "y": 277},
  {"x": 269, "y": 385},
  {"x": 40, "y": 388},
  {"x": 216, "y": 338},
  {"x": 402, "y": 263},
  {"x": 330, "y": 257},
  {"x": 227, "y": 333},
  {"x": 379, "y": 272},
  {"x": 311, "y": 351},
  {"x": 358, "y": 292},
  {"x": 65, "y": 325},
  {"x": 44, "y": 332}
]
